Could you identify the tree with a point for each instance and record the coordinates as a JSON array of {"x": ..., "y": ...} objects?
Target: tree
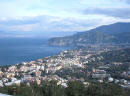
[{"x": 75, "y": 88}]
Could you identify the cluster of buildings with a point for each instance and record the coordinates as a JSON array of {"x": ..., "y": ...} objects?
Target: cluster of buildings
[
  {"x": 101, "y": 76},
  {"x": 41, "y": 69},
  {"x": 44, "y": 69}
]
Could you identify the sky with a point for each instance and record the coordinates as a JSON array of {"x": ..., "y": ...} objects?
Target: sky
[{"x": 51, "y": 16}]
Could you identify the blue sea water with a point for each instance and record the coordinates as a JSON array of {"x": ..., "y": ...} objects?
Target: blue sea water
[{"x": 16, "y": 50}]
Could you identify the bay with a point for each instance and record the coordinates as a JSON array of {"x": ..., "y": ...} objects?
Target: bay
[{"x": 16, "y": 50}]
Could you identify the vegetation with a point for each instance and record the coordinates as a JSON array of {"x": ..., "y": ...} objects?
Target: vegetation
[
  {"x": 117, "y": 33},
  {"x": 75, "y": 88}
]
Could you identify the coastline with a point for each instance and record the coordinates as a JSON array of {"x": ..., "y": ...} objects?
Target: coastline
[
  {"x": 69, "y": 65},
  {"x": 15, "y": 50}
]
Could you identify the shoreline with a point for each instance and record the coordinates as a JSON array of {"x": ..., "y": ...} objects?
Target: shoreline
[
  {"x": 24, "y": 50},
  {"x": 82, "y": 61}
]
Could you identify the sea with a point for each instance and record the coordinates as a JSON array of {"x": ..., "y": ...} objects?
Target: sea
[{"x": 17, "y": 50}]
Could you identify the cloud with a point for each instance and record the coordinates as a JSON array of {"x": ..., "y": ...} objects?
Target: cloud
[
  {"x": 40, "y": 16},
  {"x": 52, "y": 23},
  {"x": 25, "y": 27},
  {"x": 113, "y": 12}
]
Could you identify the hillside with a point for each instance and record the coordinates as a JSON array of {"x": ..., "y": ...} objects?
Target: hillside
[{"x": 115, "y": 33}]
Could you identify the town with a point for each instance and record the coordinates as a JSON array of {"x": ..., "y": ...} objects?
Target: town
[{"x": 86, "y": 62}]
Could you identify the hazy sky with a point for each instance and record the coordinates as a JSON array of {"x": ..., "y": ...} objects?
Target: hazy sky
[{"x": 61, "y": 15}]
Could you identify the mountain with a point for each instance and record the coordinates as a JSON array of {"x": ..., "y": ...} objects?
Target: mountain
[
  {"x": 120, "y": 55},
  {"x": 115, "y": 33}
]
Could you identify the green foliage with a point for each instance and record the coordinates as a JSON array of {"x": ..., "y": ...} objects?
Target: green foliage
[
  {"x": 75, "y": 88},
  {"x": 52, "y": 89}
]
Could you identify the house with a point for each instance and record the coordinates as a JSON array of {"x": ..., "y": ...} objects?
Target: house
[
  {"x": 101, "y": 81},
  {"x": 12, "y": 69},
  {"x": 37, "y": 73},
  {"x": 110, "y": 79},
  {"x": 17, "y": 82},
  {"x": 64, "y": 85},
  {"x": 1, "y": 83},
  {"x": 123, "y": 81},
  {"x": 4, "y": 80},
  {"x": 116, "y": 81},
  {"x": 4, "y": 95},
  {"x": 100, "y": 74},
  {"x": 1, "y": 73},
  {"x": 86, "y": 83},
  {"x": 42, "y": 68}
]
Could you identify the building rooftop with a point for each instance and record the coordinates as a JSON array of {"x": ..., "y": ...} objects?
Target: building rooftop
[{"x": 4, "y": 95}]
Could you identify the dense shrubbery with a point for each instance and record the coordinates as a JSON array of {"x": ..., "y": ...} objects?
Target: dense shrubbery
[{"x": 74, "y": 88}]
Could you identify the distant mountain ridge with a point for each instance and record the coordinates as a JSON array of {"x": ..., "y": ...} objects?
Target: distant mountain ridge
[{"x": 115, "y": 33}]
